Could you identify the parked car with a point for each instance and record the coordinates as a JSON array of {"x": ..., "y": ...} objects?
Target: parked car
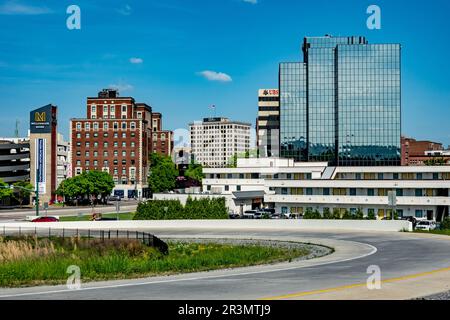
[
  {"x": 426, "y": 225},
  {"x": 249, "y": 214},
  {"x": 233, "y": 215},
  {"x": 114, "y": 198},
  {"x": 258, "y": 215},
  {"x": 45, "y": 219}
]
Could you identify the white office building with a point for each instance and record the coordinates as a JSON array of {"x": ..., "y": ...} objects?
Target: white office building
[
  {"x": 293, "y": 187},
  {"x": 214, "y": 141}
]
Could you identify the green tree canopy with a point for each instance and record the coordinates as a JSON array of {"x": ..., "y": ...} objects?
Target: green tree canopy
[
  {"x": 195, "y": 172},
  {"x": 22, "y": 191},
  {"x": 163, "y": 173},
  {"x": 5, "y": 191}
]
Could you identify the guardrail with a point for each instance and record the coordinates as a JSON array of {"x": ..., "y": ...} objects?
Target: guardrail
[{"x": 144, "y": 237}]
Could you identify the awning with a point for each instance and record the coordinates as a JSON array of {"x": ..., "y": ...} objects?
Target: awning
[{"x": 242, "y": 195}]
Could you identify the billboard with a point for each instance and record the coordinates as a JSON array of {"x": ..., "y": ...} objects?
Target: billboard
[
  {"x": 40, "y": 164},
  {"x": 42, "y": 119}
]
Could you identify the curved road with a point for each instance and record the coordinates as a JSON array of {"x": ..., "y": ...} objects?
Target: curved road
[{"x": 412, "y": 265}]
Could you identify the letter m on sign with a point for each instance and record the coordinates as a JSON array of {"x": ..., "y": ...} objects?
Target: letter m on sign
[{"x": 39, "y": 117}]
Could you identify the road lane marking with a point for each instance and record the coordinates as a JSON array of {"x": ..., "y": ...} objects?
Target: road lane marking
[
  {"x": 357, "y": 285},
  {"x": 373, "y": 251}
]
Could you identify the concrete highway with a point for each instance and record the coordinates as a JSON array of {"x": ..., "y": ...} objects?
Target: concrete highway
[{"x": 412, "y": 265}]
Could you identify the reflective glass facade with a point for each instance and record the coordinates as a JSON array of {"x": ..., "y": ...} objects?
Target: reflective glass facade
[
  {"x": 345, "y": 99},
  {"x": 293, "y": 111}
]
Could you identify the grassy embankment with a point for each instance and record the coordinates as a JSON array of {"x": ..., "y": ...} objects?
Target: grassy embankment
[
  {"x": 87, "y": 217},
  {"x": 444, "y": 232},
  {"x": 31, "y": 261}
]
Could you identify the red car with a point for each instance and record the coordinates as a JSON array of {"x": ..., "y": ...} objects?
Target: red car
[{"x": 45, "y": 219}]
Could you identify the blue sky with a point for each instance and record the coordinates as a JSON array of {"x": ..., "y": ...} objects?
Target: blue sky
[{"x": 156, "y": 52}]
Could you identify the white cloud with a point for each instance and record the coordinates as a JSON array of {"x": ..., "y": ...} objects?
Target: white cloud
[
  {"x": 122, "y": 87},
  {"x": 215, "y": 76},
  {"x": 125, "y": 10},
  {"x": 14, "y": 7},
  {"x": 251, "y": 1},
  {"x": 136, "y": 60}
]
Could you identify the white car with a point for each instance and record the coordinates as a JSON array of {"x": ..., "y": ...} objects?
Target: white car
[
  {"x": 426, "y": 225},
  {"x": 249, "y": 214}
]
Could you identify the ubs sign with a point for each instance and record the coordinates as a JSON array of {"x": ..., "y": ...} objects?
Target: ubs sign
[{"x": 42, "y": 119}]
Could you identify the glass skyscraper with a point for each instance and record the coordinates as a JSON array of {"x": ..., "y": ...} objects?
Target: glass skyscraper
[{"x": 343, "y": 103}]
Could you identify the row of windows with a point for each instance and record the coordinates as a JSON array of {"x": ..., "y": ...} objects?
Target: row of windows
[
  {"x": 105, "y": 135},
  {"x": 96, "y": 126},
  {"x": 106, "y": 153},
  {"x": 381, "y": 192},
  {"x": 106, "y": 144}
]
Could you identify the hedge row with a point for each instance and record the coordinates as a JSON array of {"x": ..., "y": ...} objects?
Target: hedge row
[
  {"x": 206, "y": 208},
  {"x": 338, "y": 215}
]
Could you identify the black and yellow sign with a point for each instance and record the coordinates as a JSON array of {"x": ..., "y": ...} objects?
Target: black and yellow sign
[{"x": 41, "y": 119}]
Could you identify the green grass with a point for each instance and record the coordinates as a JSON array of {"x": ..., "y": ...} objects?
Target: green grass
[
  {"x": 87, "y": 217},
  {"x": 29, "y": 261},
  {"x": 444, "y": 232}
]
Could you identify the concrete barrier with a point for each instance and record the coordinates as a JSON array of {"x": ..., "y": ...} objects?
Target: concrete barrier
[{"x": 301, "y": 224}]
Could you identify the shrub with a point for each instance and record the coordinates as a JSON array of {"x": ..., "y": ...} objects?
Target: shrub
[
  {"x": 326, "y": 213},
  {"x": 312, "y": 214},
  {"x": 446, "y": 223},
  {"x": 206, "y": 208},
  {"x": 359, "y": 215},
  {"x": 336, "y": 214},
  {"x": 347, "y": 215},
  {"x": 371, "y": 216}
]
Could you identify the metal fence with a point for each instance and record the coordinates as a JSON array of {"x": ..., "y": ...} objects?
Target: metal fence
[{"x": 40, "y": 232}]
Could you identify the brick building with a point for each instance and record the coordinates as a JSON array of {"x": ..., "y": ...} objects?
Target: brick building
[
  {"x": 162, "y": 140},
  {"x": 115, "y": 137},
  {"x": 415, "y": 153}
]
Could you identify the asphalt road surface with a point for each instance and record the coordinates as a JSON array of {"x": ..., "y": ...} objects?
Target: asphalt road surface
[
  {"x": 10, "y": 215},
  {"x": 411, "y": 265}
]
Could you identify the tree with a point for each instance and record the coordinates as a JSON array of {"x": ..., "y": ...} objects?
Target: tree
[
  {"x": 195, "y": 172},
  {"x": 163, "y": 173},
  {"x": 22, "y": 192},
  {"x": 359, "y": 215},
  {"x": 336, "y": 214},
  {"x": 90, "y": 184},
  {"x": 5, "y": 191}
]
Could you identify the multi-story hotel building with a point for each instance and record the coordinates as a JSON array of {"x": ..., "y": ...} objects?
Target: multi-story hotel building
[
  {"x": 293, "y": 187},
  {"x": 342, "y": 104},
  {"x": 115, "y": 137},
  {"x": 214, "y": 141},
  {"x": 268, "y": 123},
  {"x": 162, "y": 139}
]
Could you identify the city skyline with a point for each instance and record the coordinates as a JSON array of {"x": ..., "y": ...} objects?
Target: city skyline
[{"x": 184, "y": 56}]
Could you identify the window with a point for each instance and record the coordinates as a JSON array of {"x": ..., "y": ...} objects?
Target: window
[
  {"x": 124, "y": 153},
  {"x": 93, "y": 111},
  {"x": 116, "y": 171},
  {"x": 78, "y": 126},
  {"x": 238, "y": 188},
  {"x": 395, "y": 176},
  {"x": 124, "y": 108},
  {"x": 105, "y": 126},
  {"x": 95, "y": 144},
  {"x": 326, "y": 191},
  {"x": 284, "y": 191},
  {"x": 87, "y": 144},
  {"x": 133, "y": 144},
  {"x": 132, "y": 153},
  {"x": 95, "y": 126},
  {"x": 87, "y": 163},
  {"x": 418, "y": 193},
  {"x": 124, "y": 171},
  {"x": 370, "y": 192},
  {"x": 78, "y": 162},
  {"x": 116, "y": 153},
  {"x": 133, "y": 125},
  {"x": 105, "y": 144},
  {"x": 124, "y": 135},
  {"x": 95, "y": 134},
  {"x": 105, "y": 112},
  {"x": 308, "y": 176},
  {"x": 227, "y": 188},
  {"x": 112, "y": 110},
  {"x": 284, "y": 210},
  {"x": 419, "y": 176},
  {"x": 399, "y": 192},
  {"x": 105, "y": 153},
  {"x": 88, "y": 135},
  {"x": 358, "y": 176},
  {"x": 86, "y": 153},
  {"x": 380, "y": 176},
  {"x": 95, "y": 163},
  {"x": 139, "y": 115},
  {"x": 163, "y": 136},
  {"x": 105, "y": 134},
  {"x": 155, "y": 137},
  {"x": 241, "y": 176},
  {"x": 352, "y": 191},
  {"x": 78, "y": 135},
  {"x": 116, "y": 162},
  {"x": 289, "y": 176},
  {"x": 116, "y": 135},
  {"x": 124, "y": 126},
  {"x": 87, "y": 126},
  {"x": 124, "y": 144},
  {"x": 309, "y": 191},
  {"x": 419, "y": 213},
  {"x": 435, "y": 176},
  {"x": 115, "y": 126}
]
